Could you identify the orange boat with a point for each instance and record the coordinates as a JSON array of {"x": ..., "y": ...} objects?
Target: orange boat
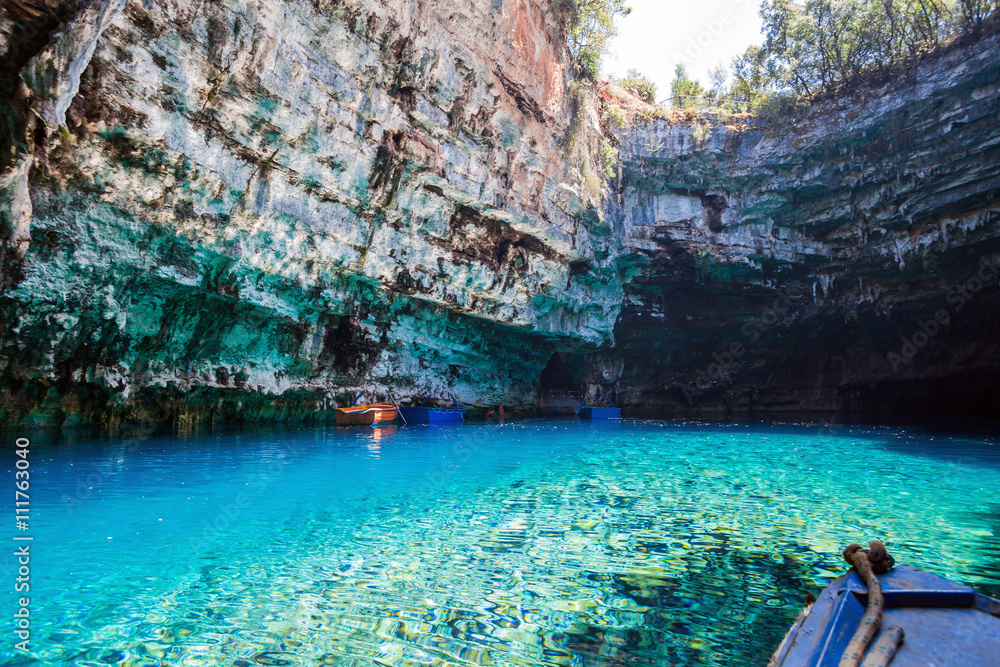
[{"x": 366, "y": 415}]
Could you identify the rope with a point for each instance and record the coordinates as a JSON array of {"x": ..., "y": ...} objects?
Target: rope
[
  {"x": 886, "y": 647},
  {"x": 868, "y": 563}
]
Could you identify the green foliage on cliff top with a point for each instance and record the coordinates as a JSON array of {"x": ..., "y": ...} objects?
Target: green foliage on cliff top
[
  {"x": 639, "y": 84},
  {"x": 820, "y": 46},
  {"x": 685, "y": 92}
]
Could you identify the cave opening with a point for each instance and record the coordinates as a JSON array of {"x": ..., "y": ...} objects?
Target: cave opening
[
  {"x": 554, "y": 374},
  {"x": 560, "y": 385}
]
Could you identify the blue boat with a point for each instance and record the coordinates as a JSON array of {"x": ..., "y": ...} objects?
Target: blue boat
[
  {"x": 422, "y": 415},
  {"x": 591, "y": 412},
  {"x": 944, "y": 623}
]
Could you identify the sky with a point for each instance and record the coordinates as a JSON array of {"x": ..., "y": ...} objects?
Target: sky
[{"x": 659, "y": 34}]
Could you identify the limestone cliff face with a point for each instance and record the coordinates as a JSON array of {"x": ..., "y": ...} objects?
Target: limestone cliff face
[
  {"x": 260, "y": 207},
  {"x": 801, "y": 266},
  {"x": 242, "y": 209}
]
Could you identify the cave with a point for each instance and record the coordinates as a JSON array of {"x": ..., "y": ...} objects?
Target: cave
[
  {"x": 634, "y": 372},
  {"x": 554, "y": 375},
  {"x": 560, "y": 385}
]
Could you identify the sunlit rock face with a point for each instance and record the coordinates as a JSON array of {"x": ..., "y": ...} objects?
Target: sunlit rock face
[
  {"x": 253, "y": 210},
  {"x": 846, "y": 259},
  {"x": 260, "y": 208}
]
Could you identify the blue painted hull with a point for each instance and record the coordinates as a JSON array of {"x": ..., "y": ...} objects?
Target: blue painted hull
[
  {"x": 945, "y": 624},
  {"x": 588, "y": 412},
  {"x": 431, "y": 415}
]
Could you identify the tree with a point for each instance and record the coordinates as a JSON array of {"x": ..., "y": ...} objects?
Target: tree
[
  {"x": 816, "y": 45},
  {"x": 639, "y": 84},
  {"x": 591, "y": 26},
  {"x": 717, "y": 78},
  {"x": 685, "y": 93},
  {"x": 753, "y": 77}
]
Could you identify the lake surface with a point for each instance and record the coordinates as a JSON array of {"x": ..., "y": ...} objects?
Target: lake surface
[{"x": 547, "y": 542}]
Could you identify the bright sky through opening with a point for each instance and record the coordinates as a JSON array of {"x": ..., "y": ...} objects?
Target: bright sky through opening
[{"x": 659, "y": 34}]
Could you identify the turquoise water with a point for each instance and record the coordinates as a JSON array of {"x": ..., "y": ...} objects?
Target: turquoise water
[{"x": 527, "y": 543}]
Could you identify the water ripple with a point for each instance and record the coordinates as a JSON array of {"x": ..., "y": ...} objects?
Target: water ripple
[{"x": 539, "y": 543}]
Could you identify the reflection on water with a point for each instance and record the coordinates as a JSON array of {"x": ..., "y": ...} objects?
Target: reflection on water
[{"x": 526, "y": 543}]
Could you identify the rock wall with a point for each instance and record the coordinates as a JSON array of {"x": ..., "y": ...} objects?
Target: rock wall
[
  {"x": 843, "y": 259},
  {"x": 238, "y": 209},
  {"x": 255, "y": 209}
]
